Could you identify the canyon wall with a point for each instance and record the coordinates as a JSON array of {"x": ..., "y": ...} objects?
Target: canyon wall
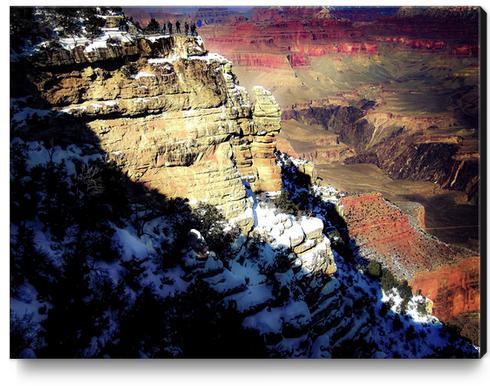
[
  {"x": 404, "y": 147},
  {"x": 276, "y": 37},
  {"x": 362, "y": 44},
  {"x": 444, "y": 159},
  {"x": 455, "y": 289},
  {"x": 173, "y": 117},
  {"x": 448, "y": 275}
]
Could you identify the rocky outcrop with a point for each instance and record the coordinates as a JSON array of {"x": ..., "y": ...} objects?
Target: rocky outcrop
[
  {"x": 303, "y": 236},
  {"x": 455, "y": 291},
  {"x": 116, "y": 46},
  {"x": 254, "y": 151},
  {"x": 266, "y": 118},
  {"x": 173, "y": 117}
]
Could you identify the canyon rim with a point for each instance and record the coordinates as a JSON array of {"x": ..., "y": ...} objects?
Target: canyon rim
[{"x": 246, "y": 182}]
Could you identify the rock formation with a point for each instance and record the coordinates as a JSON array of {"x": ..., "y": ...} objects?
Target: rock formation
[
  {"x": 450, "y": 161},
  {"x": 382, "y": 231},
  {"x": 446, "y": 274},
  {"x": 405, "y": 147},
  {"x": 173, "y": 117},
  {"x": 455, "y": 289},
  {"x": 255, "y": 151}
]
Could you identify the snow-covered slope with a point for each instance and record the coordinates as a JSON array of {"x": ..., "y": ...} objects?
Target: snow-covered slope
[
  {"x": 308, "y": 303},
  {"x": 104, "y": 266}
]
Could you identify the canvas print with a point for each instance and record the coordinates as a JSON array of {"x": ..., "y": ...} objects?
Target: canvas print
[{"x": 246, "y": 182}]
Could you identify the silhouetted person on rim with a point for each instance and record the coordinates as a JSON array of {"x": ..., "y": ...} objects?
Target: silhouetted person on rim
[
  {"x": 193, "y": 29},
  {"x": 169, "y": 25},
  {"x": 186, "y": 28},
  {"x": 177, "y": 27},
  {"x": 164, "y": 29}
]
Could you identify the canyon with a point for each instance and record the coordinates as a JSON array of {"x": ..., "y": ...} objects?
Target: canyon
[
  {"x": 398, "y": 92},
  {"x": 174, "y": 122},
  {"x": 370, "y": 79}
]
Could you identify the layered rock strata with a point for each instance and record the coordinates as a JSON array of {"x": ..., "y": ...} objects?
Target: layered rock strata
[
  {"x": 173, "y": 116},
  {"x": 447, "y": 274},
  {"x": 383, "y": 232},
  {"x": 423, "y": 148},
  {"x": 255, "y": 152},
  {"x": 455, "y": 289}
]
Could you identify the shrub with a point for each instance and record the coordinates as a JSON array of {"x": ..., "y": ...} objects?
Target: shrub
[
  {"x": 405, "y": 290},
  {"x": 255, "y": 243},
  {"x": 153, "y": 26},
  {"x": 134, "y": 271},
  {"x": 388, "y": 281},
  {"x": 404, "y": 305},
  {"x": 93, "y": 25},
  {"x": 374, "y": 269},
  {"x": 421, "y": 308},
  {"x": 213, "y": 226},
  {"x": 285, "y": 204}
]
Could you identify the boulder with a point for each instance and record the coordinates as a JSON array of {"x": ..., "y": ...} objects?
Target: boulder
[{"x": 197, "y": 243}]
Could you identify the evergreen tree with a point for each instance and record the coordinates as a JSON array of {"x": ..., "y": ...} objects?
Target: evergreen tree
[
  {"x": 388, "y": 281},
  {"x": 93, "y": 25},
  {"x": 285, "y": 204},
  {"x": 23, "y": 26},
  {"x": 211, "y": 223},
  {"x": 67, "y": 19},
  {"x": 75, "y": 316}
]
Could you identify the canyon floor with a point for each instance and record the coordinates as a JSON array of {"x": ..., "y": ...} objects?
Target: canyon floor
[
  {"x": 447, "y": 215},
  {"x": 410, "y": 89}
]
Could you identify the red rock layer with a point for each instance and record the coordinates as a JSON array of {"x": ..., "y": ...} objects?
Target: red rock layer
[
  {"x": 384, "y": 233},
  {"x": 273, "y": 37},
  {"x": 447, "y": 275},
  {"x": 455, "y": 289},
  {"x": 301, "y": 33}
]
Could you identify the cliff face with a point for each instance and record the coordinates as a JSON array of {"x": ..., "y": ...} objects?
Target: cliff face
[
  {"x": 404, "y": 147},
  {"x": 173, "y": 117},
  {"x": 448, "y": 275},
  {"x": 455, "y": 289},
  {"x": 384, "y": 232},
  {"x": 281, "y": 37},
  {"x": 448, "y": 160}
]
